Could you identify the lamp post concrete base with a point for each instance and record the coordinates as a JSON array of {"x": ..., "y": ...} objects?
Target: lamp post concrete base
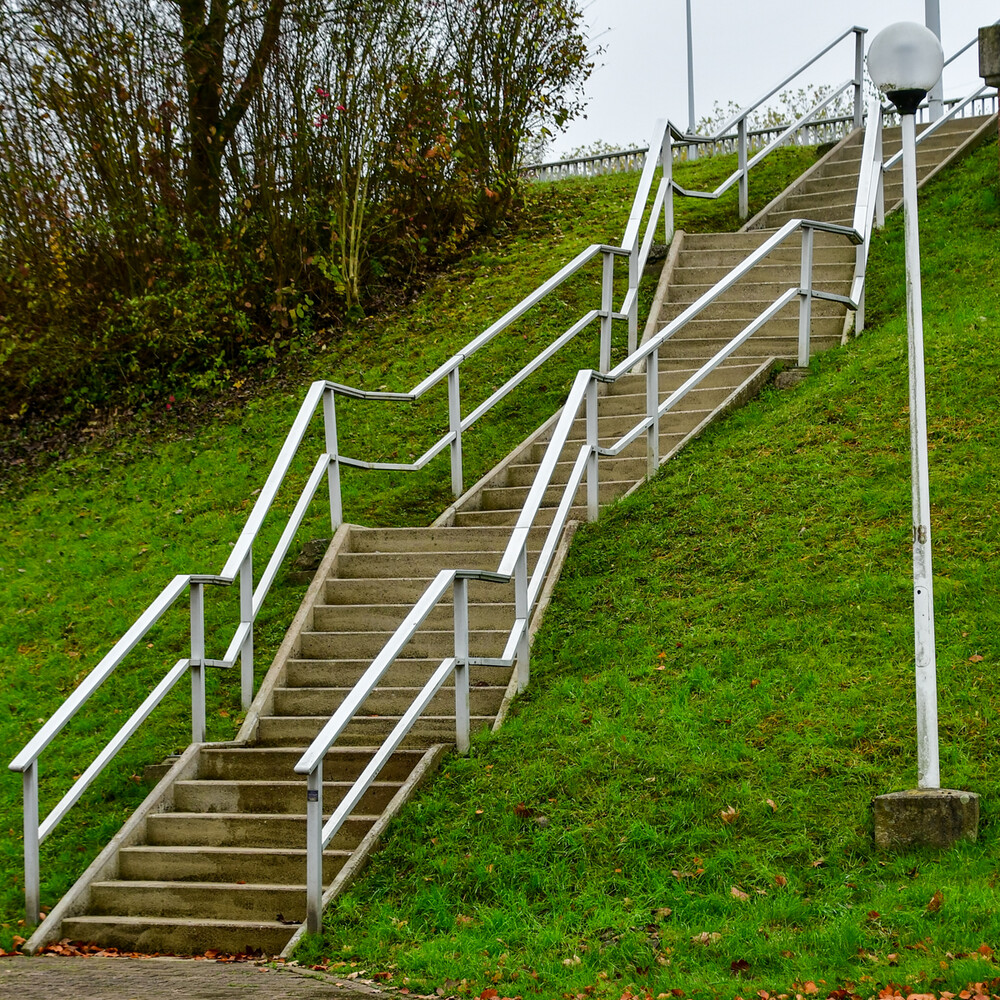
[{"x": 925, "y": 817}]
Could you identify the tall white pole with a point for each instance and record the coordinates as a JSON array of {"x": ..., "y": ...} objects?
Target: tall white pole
[
  {"x": 692, "y": 150},
  {"x": 932, "y": 18},
  {"x": 928, "y": 768}
]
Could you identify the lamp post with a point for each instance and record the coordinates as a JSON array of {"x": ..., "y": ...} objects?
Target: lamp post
[
  {"x": 692, "y": 150},
  {"x": 932, "y": 18},
  {"x": 905, "y": 61}
]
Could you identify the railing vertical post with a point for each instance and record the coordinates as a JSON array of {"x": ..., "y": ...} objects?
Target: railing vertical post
[
  {"x": 880, "y": 189},
  {"x": 593, "y": 483},
  {"x": 333, "y": 450},
  {"x": 668, "y": 174},
  {"x": 521, "y": 610},
  {"x": 633, "y": 310},
  {"x": 652, "y": 406},
  {"x": 32, "y": 872},
  {"x": 805, "y": 295},
  {"x": 741, "y": 149},
  {"x": 246, "y": 618},
  {"x": 314, "y": 849},
  {"x": 462, "y": 711},
  {"x": 607, "y": 298},
  {"x": 197, "y": 662},
  {"x": 859, "y": 76},
  {"x": 455, "y": 426}
]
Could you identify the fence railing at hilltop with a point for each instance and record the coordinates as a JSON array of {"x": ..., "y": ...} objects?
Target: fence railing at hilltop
[{"x": 812, "y": 134}]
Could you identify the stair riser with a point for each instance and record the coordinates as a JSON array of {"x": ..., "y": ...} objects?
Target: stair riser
[
  {"x": 179, "y": 899},
  {"x": 725, "y": 329},
  {"x": 408, "y": 590},
  {"x": 790, "y": 253},
  {"x": 635, "y": 450},
  {"x": 410, "y": 564},
  {"x": 170, "y": 829},
  {"x": 279, "y": 866},
  {"x": 768, "y": 276},
  {"x": 779, "y": 347},
  {"x": 151, "y": 937},
  {"x": 513, "y": 497},
  {"x": 356, "y": 617},
  {"x": 726, "y": 377},
  {"x": 270, "y": 797},
  {"x": 628, "y": 404},
  {"x": 490, "y": 517},
  {"x": 759, "y": 296},
  {"x": 403, "y": 673},
  {"x": 391, "y": 701},
  {"x": 267, "y": 764},
  {"x": 431, "y": 643},
  {"x": 292, "y": 731},
  {"x": 617, "y": 469},
  {"x": 430, "y": 540}
]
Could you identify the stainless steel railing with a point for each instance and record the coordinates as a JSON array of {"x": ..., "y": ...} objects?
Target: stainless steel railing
[{"x": 640, "y": 232}]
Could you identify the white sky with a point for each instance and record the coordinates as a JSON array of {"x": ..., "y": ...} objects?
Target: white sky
[{"x": 741, "y": 49}]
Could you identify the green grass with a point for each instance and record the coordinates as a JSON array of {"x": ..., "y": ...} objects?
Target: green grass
[
  {"x": 92, "y": 538},
  {"x": 681, "y": 802}
]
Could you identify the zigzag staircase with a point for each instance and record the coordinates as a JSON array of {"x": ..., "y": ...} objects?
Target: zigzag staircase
[{"x": 223, "y": 834}]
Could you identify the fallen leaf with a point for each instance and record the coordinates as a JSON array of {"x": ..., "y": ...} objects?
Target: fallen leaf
[
  {"x": 523, "y": 811},
  {"x": 463, "y": 921},
  {"x": 892, "y": 959},
  {"x": 728, "y": 814},
  {"x": 975, "y": 658},
  {"x": 985, "y": 950},
  {"x": 935, "y": 904},
  {"x": 706, "y": 938},
  {"x": 819, "y": 862},
  {"x": 754, "y": 682},
  {"x": 780, "y": 880},
  {"x": 738, "y": 894},
  {"x": 772, "y": 804},
  {"x": 738, "y": 967},
  {"x": 664, "y": 911}
]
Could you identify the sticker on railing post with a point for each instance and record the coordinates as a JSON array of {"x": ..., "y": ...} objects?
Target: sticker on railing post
[{"x": 312, "y": 795}]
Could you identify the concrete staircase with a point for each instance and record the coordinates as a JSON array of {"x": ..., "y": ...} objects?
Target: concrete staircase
[{"x": 215, "y": 859}]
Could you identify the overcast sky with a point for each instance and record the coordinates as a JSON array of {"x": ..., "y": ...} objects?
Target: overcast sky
[{"x": 741, "y": 49}]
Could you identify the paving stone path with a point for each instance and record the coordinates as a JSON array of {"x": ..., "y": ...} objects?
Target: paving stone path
[{"x": 52, "y": 978}]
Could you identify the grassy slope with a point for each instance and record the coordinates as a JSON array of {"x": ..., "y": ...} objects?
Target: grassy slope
[
  {"x": 89, "y": 541},
  {"x": 682, "y": 801}
]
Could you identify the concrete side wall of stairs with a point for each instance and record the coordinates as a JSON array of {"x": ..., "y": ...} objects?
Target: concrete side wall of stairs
[{"x": 216, "y": 857}]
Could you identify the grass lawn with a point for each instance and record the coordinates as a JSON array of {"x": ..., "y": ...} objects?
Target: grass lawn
[
  {"x": 681, "y": 803},
  {"x": 92, "y": 537}
]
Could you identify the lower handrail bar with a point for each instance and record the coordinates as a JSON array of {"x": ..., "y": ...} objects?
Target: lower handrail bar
[
  {"x": 555, "y": 531},
  {"x": 427, "y": 456},
  {"x": 136, "y": 719},
  {"x": 529, "y": 369},
  {"x": 159, "y": 606},
  {"x": 288, "y": 535}
]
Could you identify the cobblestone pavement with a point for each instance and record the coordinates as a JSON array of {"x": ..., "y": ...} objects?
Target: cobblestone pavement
[{"x": 58, "y": 978}]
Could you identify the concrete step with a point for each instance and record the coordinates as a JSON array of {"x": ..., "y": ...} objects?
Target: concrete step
[
  {"x": 438, "y": 540},
  {"x": 229, "y": 901},
  {"x": 728, "y": 375},
  {"x": 409, "y": 564},
  {"x": 402, "y": 590},
  {"x": 702, "y": 397},
  {"x": 617, "y": 469},
  {"x": 363, "y": 730},
  {"x": 755, "y": 294},
  {"x": 361, "y": 617},
  {"x": 223, "y": 864},
  {"x": 426, "y": 643},
  {"x": 170, "y": 829},
  {"x": 513, "y": 497},
  {"x": 276, "y": 764},
  {"x": 181, "y": 936},
  {"x": 215, "y": 796},
  {"x": 782, "y": 274},
  {"x": 382, "y": 701},
  {"x": 403, "y": 673}
]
